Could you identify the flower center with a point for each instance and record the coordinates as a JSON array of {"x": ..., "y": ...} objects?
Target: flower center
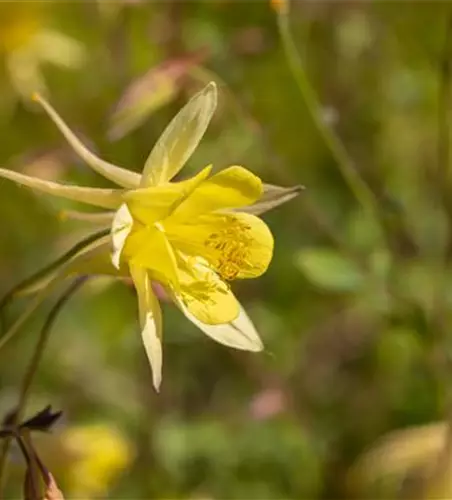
[{"x": 231, "y": 244}]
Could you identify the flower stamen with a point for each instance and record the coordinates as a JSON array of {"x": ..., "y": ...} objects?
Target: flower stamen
[{"x": 233, "y": 246}]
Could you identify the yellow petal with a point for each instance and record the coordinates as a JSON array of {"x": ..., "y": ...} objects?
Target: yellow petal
[
  {"x": 106, "y": 198},
  {"x": 122, "y": 177},
  {"x": 25, "y": 72},
  {"x": 204, "y": 294},
  {"x": 150, "y": 321},
  {"x": 180, "y": 138},
  {"x": 149, "y": 248},
  {"x": 239, "y": 333},
  {"x": 120, "y": 230},
  {"x": 236, "y": 245},
  {"x": 59, "y": 49},
  {"x": 233, "y": 187},
  {"x": 153, "y": 204}
]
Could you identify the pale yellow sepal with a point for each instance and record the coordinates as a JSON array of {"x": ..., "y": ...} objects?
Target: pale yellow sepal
[
  {"x": 180, "y": 138},
  {"x": 105, "y": 198},
  {"x": 272, "y": 197},
  {"x": 239, "y": 333}
]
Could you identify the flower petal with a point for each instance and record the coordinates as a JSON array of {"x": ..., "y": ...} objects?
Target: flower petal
[
  {"x": 150, "y": 320},
  {"x": 180, "y": 138},
  {"x": 149, "y": 248},
  {"x": 236, "y": 245},
  {"x": 122, "y": 177},
  {"x": 106, "y": 198},
  {"x": 233, "y": 187},
  {"x": 204, "y": 294},
  {"x": 25, "y": 72},
  {"x": 59, "y": 49},
  {"x": 273, "y": 197},
  {"x": 239, "y": 333},
  {"x": 152, "y": 204},
  {"x": 120, "y": 230}
]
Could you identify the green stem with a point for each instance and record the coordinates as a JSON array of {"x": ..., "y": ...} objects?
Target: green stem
[
  {"x": 32, "y": 369},
  {"x": 42, "y": 273},
  {"x": 345, "y": 164}
]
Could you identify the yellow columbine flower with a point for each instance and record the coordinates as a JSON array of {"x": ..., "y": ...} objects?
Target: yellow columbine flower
[{"x": 192, "y": 236}]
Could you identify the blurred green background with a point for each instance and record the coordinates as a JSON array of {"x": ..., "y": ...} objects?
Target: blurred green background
[{"x": 355, "y": 308}]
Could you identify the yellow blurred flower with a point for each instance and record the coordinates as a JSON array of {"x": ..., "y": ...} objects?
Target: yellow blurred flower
[
  {"x": 100, "y": 453},
  {"x": 26, "y": 43}
]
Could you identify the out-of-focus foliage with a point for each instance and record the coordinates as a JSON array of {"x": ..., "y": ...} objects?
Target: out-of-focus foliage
[{"x": 355, "y": 310}]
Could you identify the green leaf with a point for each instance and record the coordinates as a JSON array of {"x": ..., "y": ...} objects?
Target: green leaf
[{"x": 329, "y": 270}]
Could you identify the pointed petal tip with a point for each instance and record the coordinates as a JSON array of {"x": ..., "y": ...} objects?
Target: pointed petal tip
[
  {"x": 115, "y": 259},
  {"x": 211, "y": 90},
  {"x": 259, "y": 347}
]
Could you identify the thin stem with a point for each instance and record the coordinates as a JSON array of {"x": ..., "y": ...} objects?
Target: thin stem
[
  {"x": 345, "y": 164},
  {"x": 46, "y": 270},
  {"x": 33, "y": 367}
]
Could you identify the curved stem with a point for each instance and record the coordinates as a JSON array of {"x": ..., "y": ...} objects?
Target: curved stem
[
  {"x": 345, "y": 164},
  {"x": 36, "y": 277},
  {"x": 33, "y": 367}
]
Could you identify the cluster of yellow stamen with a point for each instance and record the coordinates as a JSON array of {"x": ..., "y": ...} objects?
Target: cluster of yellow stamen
[{"x": 231, "y": 245}]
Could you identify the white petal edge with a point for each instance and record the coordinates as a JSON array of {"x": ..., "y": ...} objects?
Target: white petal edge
[
  {"x": 180, "y": 138},
  {"x": 150, "y": 321},
  {"x": 120, "y": 176},
  {"x": 120, "y": 230},
  {"x": 239, "y": 333}
]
